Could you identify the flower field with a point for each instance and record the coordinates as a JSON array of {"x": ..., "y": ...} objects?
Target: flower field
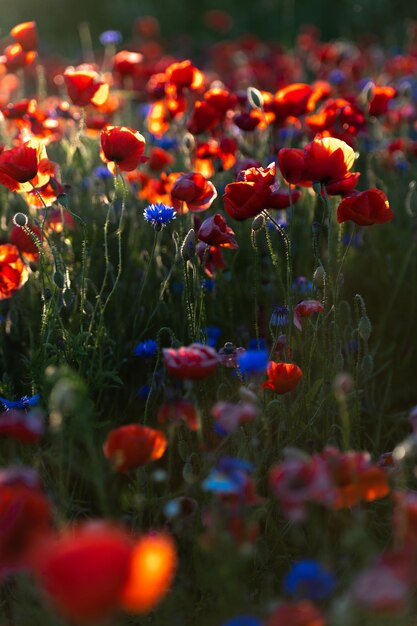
[{"x": 208, "y": 302}]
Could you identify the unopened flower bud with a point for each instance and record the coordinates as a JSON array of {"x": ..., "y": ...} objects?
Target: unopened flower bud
[
  {"x": 20, "y": 219},
  {"x": 188, "y": 246},
  {"x": 258, "y": 222},
  {"x": 365, "y": 328},
  {"x": 319, "y": 277}
]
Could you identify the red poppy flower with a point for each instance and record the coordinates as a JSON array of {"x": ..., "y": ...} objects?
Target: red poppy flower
[
  {"x": 158, "y": 159},
  {"x": 125, "y": 62},
  {"x": 122, "y": 147},
  {"x": 203, "y": 118},
  {"x": 133, "y": 445},
  {"x": 84, "y": 86},
  {"x": 243, "y": 200},
  {"x": 229, "y": 416},
  {"x": 212, "y": 258},
  {"x": 25, "y": 516},
  {"x": 26, "y": 35},
  {"x": 381, "y": 97},
  {"x": 298, "y": 614},
  {"x": 248, "y": 121},
  {"x": 21, "y": 168},
  {"x": 193, "y": 190},
  {"x": 15, "y": 57},
  {"x": 178, "y": 410},
  {"x": 184, "y": 75},
  {"x": 152, "y": 567},
  {"x": 24, "y": 242},
  {"x": 292, "y": 100},
  {"x": 17, "y": 110},
  {"x": 221, "y": 100},
  {"x": 298, "y": 481},
  {"x": 292, "y": 166},
  {"x": 13, "y": 272},
  {"x": 282, "y": 377},
  {"x": 83, "y": 571},
  {"x": 365, "y": 208},
  {"x": 305, "y": 308},
  {"x": 327, "y": 161},
  {"x": 354, "y": 477},
  {"x": 216, "y": 232},
  {"x": 193, "y": 362},
  {"x": 22, "y": 426}
]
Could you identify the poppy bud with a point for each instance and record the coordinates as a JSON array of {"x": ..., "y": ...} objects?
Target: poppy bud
[
  {"x": 319, "y": 277},
  {"x": 365, "y": 328},
  {"x": 188, "y": 246},
  {"x": 258, "y": 223}
]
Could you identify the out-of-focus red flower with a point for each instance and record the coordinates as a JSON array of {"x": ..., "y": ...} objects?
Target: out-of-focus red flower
[
  {"x": 292, "y": 101},
  {"x": 184, "y": 75},
  {"x": 192, "y": 362},
  {"x": 203, "y": 118},
  {"x": 221, "y": 100},
  {"x": 283, "y": 198},
  {"x": 218, "y": 20},
  {"x": 133, "y": 445},
  {"x": 282, "y": 377},
  {"x": 122, "y": 147},
  {"x": 216, "y": 232},
  {"x": 379, "y": 590},
  {"x": 24, "y": 242},
  {"x": 152, "y": 568},
  {"x": 297, "y": 482},
  {"x": 158, "y": 159},
  {"x": 22, "y": 426},
  {"x": 25, "y": 516},
  {"x": 178, "y": 410},
  {"x": 354, "y": 477},
  {"x": 26, "y": 35},
  {"x": 13, "y": 272},
  {"x": 365, "y": 208},
  {"x": 305, "y": 308},
  {"x": 21, "y": 168},
  {"x": 125, "y": 62},
  {"x": 193, "y": 190},
  {"x": 297, "y": 614},
  {"x": 85, "y": 86},
  {"x": 405, "y": 517},
  {"x": 15, "y": 57},
  {"x": 83, "y": 571},
  {"x": 147, "y": 26},
  {"x": 381, "y": 97},
  {"x": 339, "y": 117},
  {"x": 229, "y": 416},
  {"x": 17, "y": 110}
]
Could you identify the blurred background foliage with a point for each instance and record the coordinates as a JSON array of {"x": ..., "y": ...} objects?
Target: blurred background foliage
[{"x": 58, "y": 20}]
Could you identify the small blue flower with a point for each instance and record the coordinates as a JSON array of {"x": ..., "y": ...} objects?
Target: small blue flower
[
  {"x": 159, "y": 215},
  {"x": 229, "y": 476},
  {"x": 102, "y": 172},
  {"x": 337, "y": 77},
  {"x": 167, "y": 143},
  {"x": 257, "y": 344},
  {"x": 309, "y": 579},
  {"x": 279, "y": 316},
  {"x": 208, "y": 284},
  {"x": 146, "y": 349},
  {"x": 253, "y": 361},
  {"x": 24, "y": 403},
  {"x": 110, "y": 37},
  {"x": 213, "y": 333},
  {"x": 302, "y": 285}
]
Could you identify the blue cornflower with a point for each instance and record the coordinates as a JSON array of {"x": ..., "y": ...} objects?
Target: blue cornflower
[
  {"x": 337, "y": 77},
  {"x": 110, "y": 37},
  {"x": 309, "y": 579},
  {"x": 102, "y": 172},
  {"x": 159, "y": 215},
  {"x": 253, "y": 361},
  {"x": 229, "y": 476},
  {"x": 146, "y": 349},
  {"x": 279, "y": 316},
  {"x": 213, "y": 333},
  {"x": 302, "y": 285},
  {"x": 25, "y": 402},
  {"x": 167, "y": 143},
  {"x": 257, "y": 344}
]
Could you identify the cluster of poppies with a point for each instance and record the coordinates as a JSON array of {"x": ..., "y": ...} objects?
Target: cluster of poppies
[{"x": 244, "y": 140}]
